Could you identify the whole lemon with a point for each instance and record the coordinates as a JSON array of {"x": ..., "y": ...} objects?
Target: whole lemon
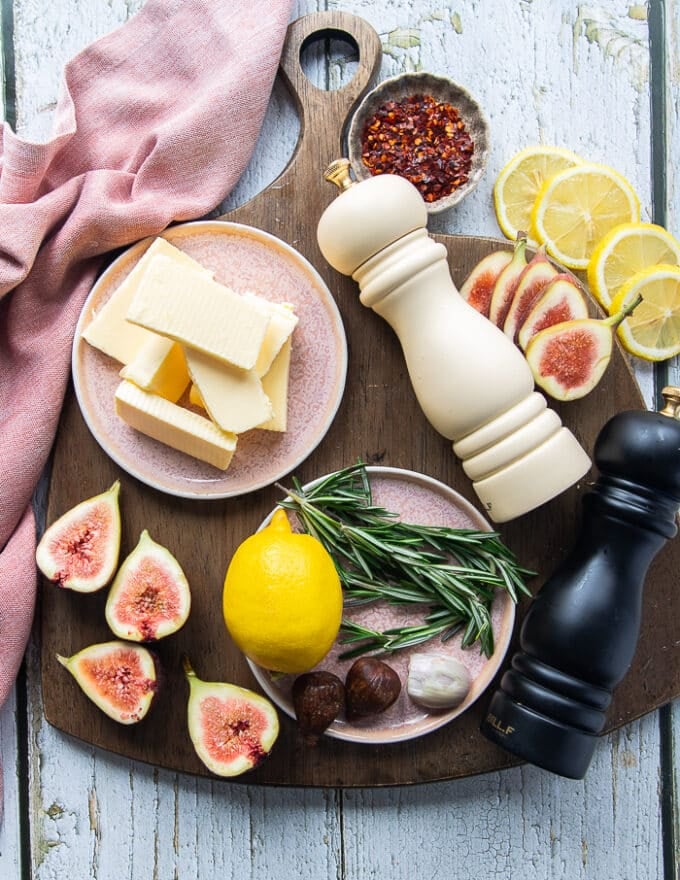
[{"x": 282, "y": 598}]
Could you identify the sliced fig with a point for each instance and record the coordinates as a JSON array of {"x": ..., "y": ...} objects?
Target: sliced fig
[
  {"x": 79, "y": 551},
  {"x": 506, "y": 283},
  {"x": 150, "y": 597},
  {"x": 233, "y": 729},
  {"x": 478, "y": 286},
  {"x": 533, "y": 281},
  {"x": 562, "y": 300},
  {"x": 569, "y": 359},
  {"x": 120, "y": 678}
]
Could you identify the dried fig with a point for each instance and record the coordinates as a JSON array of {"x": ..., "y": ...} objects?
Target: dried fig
[
  {"x": 318, "y": 698},
  {"x": 150, "y": 597},
  {"x": 80, "y": 550},
  {"x": 121, "y": 679},
  {"x": 232, "y": 728}
]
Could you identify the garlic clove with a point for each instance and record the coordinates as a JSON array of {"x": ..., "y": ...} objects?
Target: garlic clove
[{"x": 437, "y": 681}]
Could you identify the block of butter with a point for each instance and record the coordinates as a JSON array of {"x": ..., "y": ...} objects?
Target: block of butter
[
  {"x": 171, "y": 424},
  {"x": 177, "y": 301},
  {"x": 109, "y": 331},
  {"x": 282, "y": 322},
  {"x": 159, "y": 367},
  {"x": 233, "y": 398},
  {"x": 275, "y": 385}
]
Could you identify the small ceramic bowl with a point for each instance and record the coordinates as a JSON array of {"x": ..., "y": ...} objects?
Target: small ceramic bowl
[{"x": 443, "y": 90}]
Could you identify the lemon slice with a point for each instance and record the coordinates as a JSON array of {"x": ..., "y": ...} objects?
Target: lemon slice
[
  {"x": 626, "y": 250},
  {"x": 652, "y": 332},
  {"x": 578, "y": 207},
  {"x": 519, "y": 182}
]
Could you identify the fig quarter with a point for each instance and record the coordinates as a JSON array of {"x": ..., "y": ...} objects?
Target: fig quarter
[
  {"x": 79, "y": 551},
  {"x": 150, "y": 597}
]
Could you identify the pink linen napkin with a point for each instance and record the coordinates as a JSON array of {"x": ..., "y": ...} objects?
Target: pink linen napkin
[{"x": 156, "y": 124}]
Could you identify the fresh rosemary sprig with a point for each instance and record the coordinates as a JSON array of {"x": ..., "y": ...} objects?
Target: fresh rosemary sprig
[{"x": 453, "y": 572}]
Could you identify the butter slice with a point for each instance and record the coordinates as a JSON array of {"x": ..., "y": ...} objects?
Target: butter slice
[
  {"x": 177, "y": 301},
  {"x": 180, "y": 428},
  {"x": 109, "y": 331},
  {"x": 159, "y": 367},
  {"x": 275, "y": 385},
  {"x": 195, "y": 396},
  {"x": 282, "y": 322},
  {"x": 233, "y": 398}
]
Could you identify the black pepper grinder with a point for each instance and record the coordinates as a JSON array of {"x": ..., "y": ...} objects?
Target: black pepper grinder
[{"x": 580, "y": 633}]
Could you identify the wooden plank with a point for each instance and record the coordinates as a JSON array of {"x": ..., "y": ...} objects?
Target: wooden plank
[
  {"x": 520, "y": 823},
  {"x": 512, "y": 98},
  {"x": 672, "y": 211},
  {"x": 46, "y": 37},
  {"x": 11, "y": 856}
]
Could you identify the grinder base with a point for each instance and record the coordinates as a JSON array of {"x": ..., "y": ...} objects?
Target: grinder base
[{"x": 538, "y": 739}]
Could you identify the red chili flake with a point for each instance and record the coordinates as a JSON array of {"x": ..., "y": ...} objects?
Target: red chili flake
[{"x": 420, "y": 139}]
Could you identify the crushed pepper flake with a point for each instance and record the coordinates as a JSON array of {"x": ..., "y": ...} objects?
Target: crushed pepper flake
[{"x": 421, "y": 139}]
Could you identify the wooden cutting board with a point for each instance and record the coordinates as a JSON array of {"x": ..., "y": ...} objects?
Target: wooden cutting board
[{"x": 378, "y": 421}]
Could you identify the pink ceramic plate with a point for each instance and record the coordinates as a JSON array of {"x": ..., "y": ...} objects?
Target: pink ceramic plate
[
  {"x": 421, "y": 499},
  {"x": 244, "y": 258}
]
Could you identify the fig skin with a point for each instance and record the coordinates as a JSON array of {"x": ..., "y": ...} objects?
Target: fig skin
[
  {"x": 478, "y": 287},
  {"x": 318, "y": 699},
  {"x": 562, "y": 300},
  {"x": 506, "y": 283},
  {"x": 532, "y": 283},
  {"x": 371, "y": 687},
  {"x": 104, "y": 672},
  {"x": 150, "y": 596},
  {"x": 232, "y": 729},
  {"x": 80, "y": 550},
  {"x": 569, "y": 359}
]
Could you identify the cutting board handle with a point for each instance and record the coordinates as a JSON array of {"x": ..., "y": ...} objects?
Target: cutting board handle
[{"x": 321, "y": 140}]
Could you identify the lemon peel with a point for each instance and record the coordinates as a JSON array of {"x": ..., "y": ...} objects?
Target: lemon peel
[
  {"x": 576, "y": 208},
  {"x": 652, "y": 332},
  {"x": 282, "y": 599},
  {"x": 520, "y": 181},
  {"x": 623, "y": 252}
]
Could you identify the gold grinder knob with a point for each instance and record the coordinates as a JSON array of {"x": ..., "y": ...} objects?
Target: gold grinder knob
[
  {"x": 671, "y": 394},
  {"x": 338, "y": 173}
]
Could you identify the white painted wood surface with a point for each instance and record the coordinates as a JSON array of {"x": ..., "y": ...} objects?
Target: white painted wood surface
[
  {"x": 672, "y": 109},
  {"x": 571, "y": 74}
]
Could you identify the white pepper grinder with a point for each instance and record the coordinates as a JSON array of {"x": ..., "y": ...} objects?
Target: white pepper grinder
[{"x": 471, "y": 381}]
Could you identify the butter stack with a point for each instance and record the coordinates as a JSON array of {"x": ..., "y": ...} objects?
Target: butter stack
[{"x": 171, "y": 324}]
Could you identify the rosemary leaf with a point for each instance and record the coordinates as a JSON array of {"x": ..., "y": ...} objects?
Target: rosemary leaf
[{"x": 454, "y": 573}]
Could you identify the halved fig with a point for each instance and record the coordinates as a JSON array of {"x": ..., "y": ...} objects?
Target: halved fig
[
  {"x": 121, "y": 679},
  {"x": 562, "y": 300},
  {"x": 569, "y": 359},
  {"x": 233, "y": 729},
  {"x": 79, "y": 551},
  {"x": 150, "y": 597},
  {"x": 506, "y": 283},
  {"x": 533, "y": 281},
  {"x": 478, "y": 286}
]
